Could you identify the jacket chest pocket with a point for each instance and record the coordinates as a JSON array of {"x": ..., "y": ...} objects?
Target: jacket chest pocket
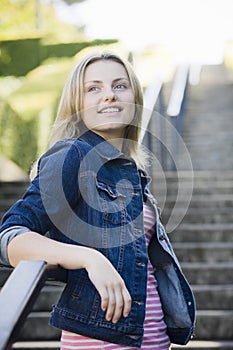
[{"x": 112, "y": 203}]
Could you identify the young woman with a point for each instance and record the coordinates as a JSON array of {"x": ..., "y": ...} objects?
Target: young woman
[{"x": 124, "y": 286}]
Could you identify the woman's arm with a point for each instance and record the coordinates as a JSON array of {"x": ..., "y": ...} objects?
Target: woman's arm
[{"x": 115, "y": 298}]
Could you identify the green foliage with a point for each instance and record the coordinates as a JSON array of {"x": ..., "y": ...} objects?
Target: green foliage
[
  {"x": 28, "y": 111},
  {"x": 18, "y": 137},
  {"x": 30, "y": 106},
  {"x": 18, "y": 57},
  {"x": 18, "y": 18},
  {"x": 30, "y": 18},
  {"x": 70, "y": 49},
  {"x": 30, "y": 86}
]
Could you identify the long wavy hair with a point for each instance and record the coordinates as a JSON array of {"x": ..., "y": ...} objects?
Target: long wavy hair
[{"x": 68, "y": 120}]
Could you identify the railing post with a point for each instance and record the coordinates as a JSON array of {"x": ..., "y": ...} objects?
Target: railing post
[{"x": 176, "y": 106}]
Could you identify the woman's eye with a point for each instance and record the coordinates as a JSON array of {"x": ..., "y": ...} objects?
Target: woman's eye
[
  {"x": 120, "y": 86},
  {"x": 93, "y": 88}
]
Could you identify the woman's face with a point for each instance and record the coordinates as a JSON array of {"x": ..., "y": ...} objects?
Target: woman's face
[{"x": 108, "y": 104}]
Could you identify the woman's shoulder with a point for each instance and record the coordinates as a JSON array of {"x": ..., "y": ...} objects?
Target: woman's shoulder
[{"x": 69, "y": 147}]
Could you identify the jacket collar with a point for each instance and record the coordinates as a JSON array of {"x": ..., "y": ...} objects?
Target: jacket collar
[{"x": 104, "y": 148}]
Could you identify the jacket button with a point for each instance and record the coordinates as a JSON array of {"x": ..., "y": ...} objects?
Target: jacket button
[
  {"x": 140, "y": 303},
  {"x": 161, "y": 237}
]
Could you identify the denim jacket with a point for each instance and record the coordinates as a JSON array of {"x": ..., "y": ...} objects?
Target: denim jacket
[{"x": 88, "y": 193}]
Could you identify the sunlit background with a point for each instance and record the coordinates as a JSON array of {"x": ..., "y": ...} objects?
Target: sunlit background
[
  {"x": 193, "y": 30},
  {"x": 41, "y": 39},
  {"x": 164, "y": 32}
]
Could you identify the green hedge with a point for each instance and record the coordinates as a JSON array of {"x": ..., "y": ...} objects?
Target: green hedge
[
  {"x": 27, "y": 113},
  {"x": 70, "y": 49},
  {"x": 18, "y": 137},
  {"x": 18, "y": 57}
]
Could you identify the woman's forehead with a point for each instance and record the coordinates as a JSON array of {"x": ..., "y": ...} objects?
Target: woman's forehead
[{"x": 99, "y": 69}]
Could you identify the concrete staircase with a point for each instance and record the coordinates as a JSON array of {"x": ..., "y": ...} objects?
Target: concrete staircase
[{"x": 203, "y": 240}]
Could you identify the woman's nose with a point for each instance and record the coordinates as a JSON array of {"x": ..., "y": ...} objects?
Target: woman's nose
[{"x": 109, "y": 95}]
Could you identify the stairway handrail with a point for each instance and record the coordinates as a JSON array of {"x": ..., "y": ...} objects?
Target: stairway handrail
[
  {"x": 151, "y": 96},
  {"x": 177, "y": 97},
  {"x": 17, "y": 302},
  {"x": 176, "y": 105}
]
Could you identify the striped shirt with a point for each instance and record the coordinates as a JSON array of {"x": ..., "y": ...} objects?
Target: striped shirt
[{"x": 155, "y": 336}]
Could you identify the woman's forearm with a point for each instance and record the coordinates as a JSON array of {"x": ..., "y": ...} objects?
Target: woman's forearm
[
  {"x": 33, "y": 246},
  {"x": 115, "y": 298}
]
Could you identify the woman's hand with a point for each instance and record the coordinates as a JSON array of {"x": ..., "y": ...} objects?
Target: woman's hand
[{"x": 115, "y": 298}]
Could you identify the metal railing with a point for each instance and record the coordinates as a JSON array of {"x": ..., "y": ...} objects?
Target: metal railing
[
  {"x": 154, "y": 108},
  {"x": 178, "y": 97},
  {"x": 176, "y": 108},
  {"x": 17, "y": 297}
]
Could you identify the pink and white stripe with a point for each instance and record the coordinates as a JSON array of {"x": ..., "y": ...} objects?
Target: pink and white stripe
[{"x": 155, "y": 336}]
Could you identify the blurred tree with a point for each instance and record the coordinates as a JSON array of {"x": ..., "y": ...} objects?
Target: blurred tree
[
  {"x": 27, "y": 18},
  {"x": 17, "y": 17}
]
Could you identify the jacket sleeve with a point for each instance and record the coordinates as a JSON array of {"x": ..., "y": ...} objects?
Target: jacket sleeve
[
  {"x": 52, "y": 194},
  {"x": 5, "y": 237}
]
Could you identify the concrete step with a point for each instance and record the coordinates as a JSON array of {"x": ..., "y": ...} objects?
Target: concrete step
[
  {"x": 198, "y": 176},
  {"x": 48, "y": 296},
  {"x": 205, "y": 135},
  {"x": 37, "y": 328},
  {"x": 204, "y": 251},
  {"x": 200, "y": 200},
  {"x": 200, "y": 215},
  {"x": 210, "y": 273},
  {"x": 215, "y": 161},
  {"x": 213, "y": 297},
  {"x": 4, "y": 274},
  {"x": 205, "y": 345},
  {"x": 12, "y": 189},
  {"x": 202, "y": 189},
  {"x": 5, "y": 203},
  {"x": 211, "y": 191},
  {"x": 202, "y": 233},
  {"x": 214, "y": 325}
]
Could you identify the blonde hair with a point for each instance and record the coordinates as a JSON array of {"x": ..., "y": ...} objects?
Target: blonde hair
[{"x": 68, "y": 120}]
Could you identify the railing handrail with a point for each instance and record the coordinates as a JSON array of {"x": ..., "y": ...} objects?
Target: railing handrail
[
  {"x": 178, "y": 91},
  {"x": 17, "y": 297},
  {"x": 151, "y": 95}
]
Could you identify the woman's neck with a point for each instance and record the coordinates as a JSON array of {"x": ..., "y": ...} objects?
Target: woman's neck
[{"x": 116, "y": 139}]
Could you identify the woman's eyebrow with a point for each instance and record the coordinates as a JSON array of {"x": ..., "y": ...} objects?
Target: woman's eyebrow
[
  {"x": 120, "y": 79},
  {"x": 95, "y": 81}
]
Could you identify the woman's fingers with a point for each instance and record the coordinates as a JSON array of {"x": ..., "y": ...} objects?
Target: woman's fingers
[
  {"x": 115, "y": 298},
  {"x": 115, "y": 301},
  {"x": 112, "y": 305},
  {"x": 127, "y": 302},
  {"x": 104, "y": 298},
  {"x": 119, "y": 303},
  {"x": 118, "y": 306}
]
